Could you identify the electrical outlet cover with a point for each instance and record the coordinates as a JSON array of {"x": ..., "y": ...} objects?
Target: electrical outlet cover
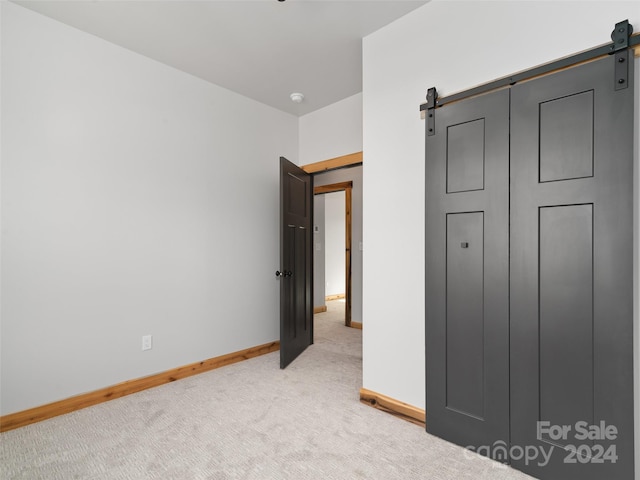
[{"x": 146, "y": 342}]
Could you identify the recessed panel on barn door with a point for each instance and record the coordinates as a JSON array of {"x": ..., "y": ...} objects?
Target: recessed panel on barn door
[
  {"x": 571, "y": 274},
  {"x": 465, "y": 314},
  {"x": 467, "y": 254}
]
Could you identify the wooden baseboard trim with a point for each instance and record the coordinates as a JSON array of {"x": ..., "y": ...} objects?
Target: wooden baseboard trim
[
  {"x": 321, "y": 309},
  {"x": 394, "y": 407},
  {"x": 357, "y": 325},
  {"x": 337, "y": 296},
  {"x": 68, "y": 405}
]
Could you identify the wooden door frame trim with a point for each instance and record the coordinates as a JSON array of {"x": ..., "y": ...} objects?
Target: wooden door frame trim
[
  {"x": 349, "y": 160},
  {"x": 334, "y": 187},
  {"x": 345, "y": 187}
]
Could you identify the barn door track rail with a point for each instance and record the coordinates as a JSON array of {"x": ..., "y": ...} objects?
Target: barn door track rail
[{"x": 622, "y": 40}]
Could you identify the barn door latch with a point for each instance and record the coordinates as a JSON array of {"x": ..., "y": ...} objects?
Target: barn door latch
[
  {"x": 432, "y": 96},
  {"x": 620, "y": 49}
]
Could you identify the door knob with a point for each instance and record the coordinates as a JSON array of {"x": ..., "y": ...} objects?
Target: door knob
[{"x": 284, "y": 273}]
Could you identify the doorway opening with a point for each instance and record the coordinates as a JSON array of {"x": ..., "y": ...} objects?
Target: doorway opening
[
  {"x": 339, "y": 288},
  {"x": 297, "y": 248}
]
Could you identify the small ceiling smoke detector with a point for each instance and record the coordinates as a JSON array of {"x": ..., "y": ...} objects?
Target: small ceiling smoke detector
[{"x": 297, "y": 97}]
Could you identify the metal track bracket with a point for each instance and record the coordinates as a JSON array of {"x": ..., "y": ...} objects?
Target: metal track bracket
[
  {"x": 432, "y": 96},
  {"x": 620, "y": 48}
]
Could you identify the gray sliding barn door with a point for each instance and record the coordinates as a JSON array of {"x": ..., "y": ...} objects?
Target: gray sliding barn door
[
  {"x": 529, "y": 275},
  {"x": 571, "y": 270},
  {"x": 467, "y": 272}
]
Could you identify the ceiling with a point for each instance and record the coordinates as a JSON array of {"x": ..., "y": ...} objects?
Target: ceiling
[{"x": 262, "y": 49}]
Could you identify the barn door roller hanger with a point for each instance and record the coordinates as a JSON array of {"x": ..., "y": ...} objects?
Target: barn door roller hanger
[
  {"x": 620, "y": 36},
  {"x": 622, "y": 39}
]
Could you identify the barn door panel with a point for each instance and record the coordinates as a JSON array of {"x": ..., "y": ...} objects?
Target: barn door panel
[
  {"x": 467, "y": 271},
  {"x": 571, "y": 270}
]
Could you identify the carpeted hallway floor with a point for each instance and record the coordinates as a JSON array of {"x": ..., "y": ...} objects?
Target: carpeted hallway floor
[{"x": 249, "y": 420}]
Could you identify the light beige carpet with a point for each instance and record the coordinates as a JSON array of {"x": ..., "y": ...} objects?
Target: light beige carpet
[{"x": 250, "y": 420}]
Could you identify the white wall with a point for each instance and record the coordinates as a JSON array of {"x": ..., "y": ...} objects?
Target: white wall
[
  {"x": 452, "y": 45},
  {"x": 334, "y": 224},
  {"x": 136, "y": 199},
  {"x": 332, "y": 131}
]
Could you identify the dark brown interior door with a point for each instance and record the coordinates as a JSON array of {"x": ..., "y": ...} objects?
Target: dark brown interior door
[{"x": 296, "y": 257}]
